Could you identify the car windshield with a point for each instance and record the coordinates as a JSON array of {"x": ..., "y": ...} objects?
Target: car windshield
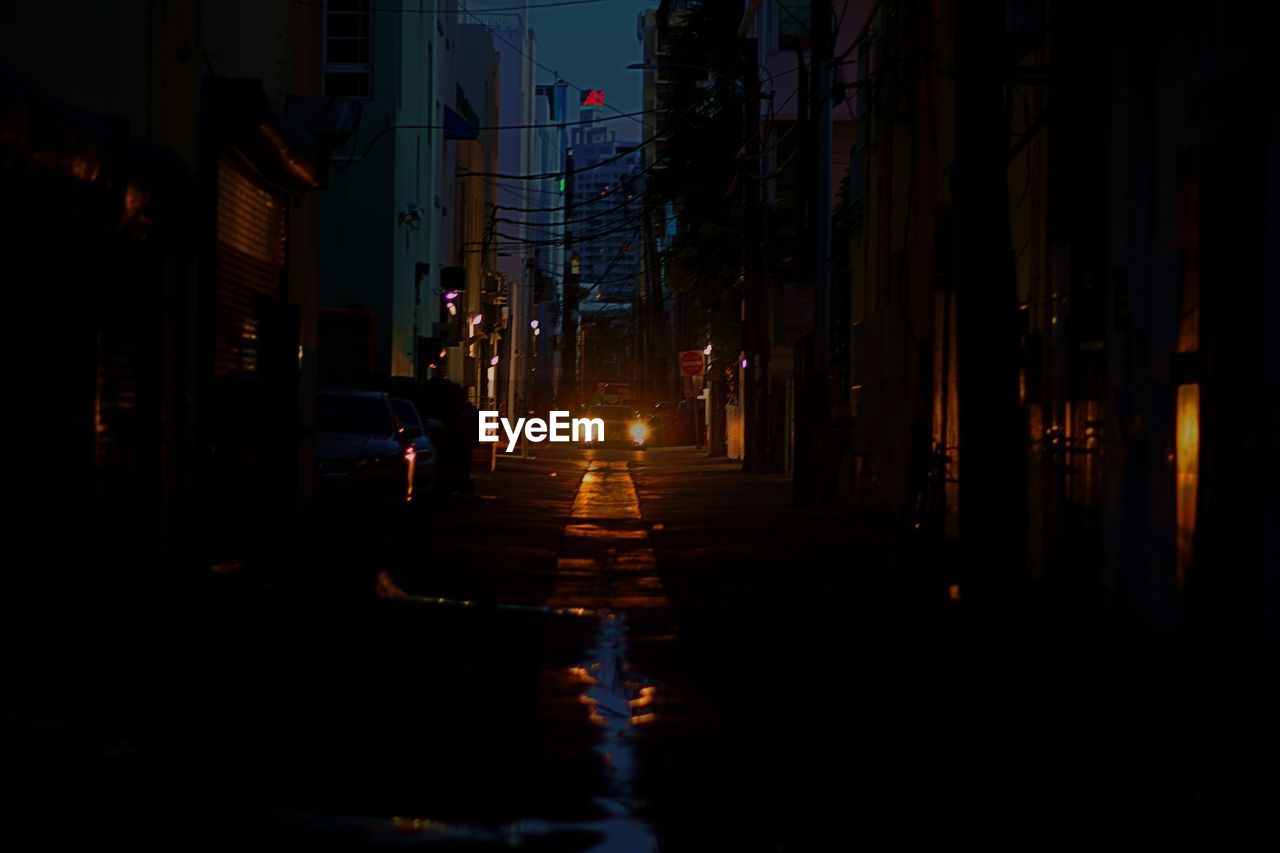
[
  {"x": 354, "y": 413},
  {"x": 406, "y": 412}
]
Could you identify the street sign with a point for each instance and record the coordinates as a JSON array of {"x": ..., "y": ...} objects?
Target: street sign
[{"x": 692, "y": 362}]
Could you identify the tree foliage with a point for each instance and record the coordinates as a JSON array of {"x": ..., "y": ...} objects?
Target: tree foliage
[{"x": 700, "y": 165}]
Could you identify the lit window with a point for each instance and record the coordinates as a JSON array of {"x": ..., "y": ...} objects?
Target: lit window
[
  {"x": 348, "y": 34},
  {"x": 1187, "y": 462}
]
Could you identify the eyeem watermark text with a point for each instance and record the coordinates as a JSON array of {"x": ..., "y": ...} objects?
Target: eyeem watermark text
[{"x": 560, "y": 428}]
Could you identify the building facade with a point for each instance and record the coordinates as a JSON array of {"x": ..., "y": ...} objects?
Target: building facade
[
  {"x": 387, "y": 217},
  {"x": 607, "y": 216},
  {"x": 189, "y": 137},
  {"x": 516, "y": 47},
  {"x": 1083, "y": 423},
  {"x": 479, "y": 101}
]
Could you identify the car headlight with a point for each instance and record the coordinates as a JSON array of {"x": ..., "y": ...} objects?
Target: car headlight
[{"x": 639, "y": 432}]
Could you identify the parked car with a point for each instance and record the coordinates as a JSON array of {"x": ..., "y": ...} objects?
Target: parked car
[
  {"x": 364, "y": 459},
  {"x": 623, "y": 427},
  {"x": 419, "y": 433},
  {"x": 450, "y": 421}
]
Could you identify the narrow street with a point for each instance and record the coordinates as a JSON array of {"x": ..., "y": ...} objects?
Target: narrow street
[
  {"x": 639, "y": 426},
  {"x": 616, "y": 651},
  {"x": 551, "y": 662},
  {"x": 586, "y": 715}
]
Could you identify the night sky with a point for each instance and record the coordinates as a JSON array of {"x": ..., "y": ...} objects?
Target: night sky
[{"x": 591, "y": 45}]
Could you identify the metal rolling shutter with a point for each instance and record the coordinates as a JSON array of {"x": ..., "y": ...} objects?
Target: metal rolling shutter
[{"x": 249, "y": 269}]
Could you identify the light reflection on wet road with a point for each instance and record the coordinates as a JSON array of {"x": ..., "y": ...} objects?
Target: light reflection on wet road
[
  {"x": 604, "y": 571},
  {"x": 604, "y": 651},
  {"x": 518, "y": 679},
  {"x": 601, "y": 548}
]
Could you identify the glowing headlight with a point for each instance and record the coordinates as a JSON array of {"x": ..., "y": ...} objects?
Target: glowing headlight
[{"x": 639, "y": 432}]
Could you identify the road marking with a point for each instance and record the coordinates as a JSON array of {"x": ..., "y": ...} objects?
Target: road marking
[
  {"x": 607, "y": 491},
  {"x": 607, "y": 566},
  {"x": 606, "y": 569}
]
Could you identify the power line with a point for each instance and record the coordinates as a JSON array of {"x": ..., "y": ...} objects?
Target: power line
[
  {"x": 555, "y": 126},
  {"x": 629, "y": 224},
  {"x": 554, "y": 193},
  {"x": 558, "y": 241},
  {"x": 629, "y": 183},
  {"x": 541, "y": 65},
  {"x": 613, "y": 210},
  {"x": 542, "y": 126},
  {"x": 521, "y": 191},
  {"x": 599, "y": 163},
  {"x": 516, "y": 240},
  {"x": 550, "y": 4},
  {"x": 600, "y": 214},
  {"x": 544, "y": 176}
]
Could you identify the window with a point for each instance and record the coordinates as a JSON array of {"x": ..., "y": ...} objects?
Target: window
[
  {"x": 661, "y": 42},
  {"x": 793, "y": 23},
  {"x": 348, "y": 32}
]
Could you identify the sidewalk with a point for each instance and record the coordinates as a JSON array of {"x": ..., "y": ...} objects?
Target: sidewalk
[
  {"x": 727, "y": 538},
  {"x": 850, "y": 684},
  {"x": 768, "y": 596}
]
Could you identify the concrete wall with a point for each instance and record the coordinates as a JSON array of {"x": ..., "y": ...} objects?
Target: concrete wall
[{"x": 370, "y": 256}]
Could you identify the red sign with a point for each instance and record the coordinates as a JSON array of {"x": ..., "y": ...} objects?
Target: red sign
[
  {"x": 692, "y": 362},
  {"x": 593, "y": 98}
]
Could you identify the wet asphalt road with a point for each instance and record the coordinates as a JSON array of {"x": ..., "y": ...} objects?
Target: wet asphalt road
[
  {"x": 615, "y": 651},
  {"x": 508, "y": 672}
]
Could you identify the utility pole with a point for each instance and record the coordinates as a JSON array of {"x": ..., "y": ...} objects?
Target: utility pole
[
  {"x": 993, "y": 504},
  {"x": 755, "y": 343},
  {"x": 812, "y": 483},
  {"x": 820, "y": 24},
  {"x": 569, "y": 329},
  {"x": 663, "y": 358}
]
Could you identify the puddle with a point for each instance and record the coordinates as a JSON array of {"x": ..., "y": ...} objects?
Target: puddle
[{"x": 616, "y": 699}]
